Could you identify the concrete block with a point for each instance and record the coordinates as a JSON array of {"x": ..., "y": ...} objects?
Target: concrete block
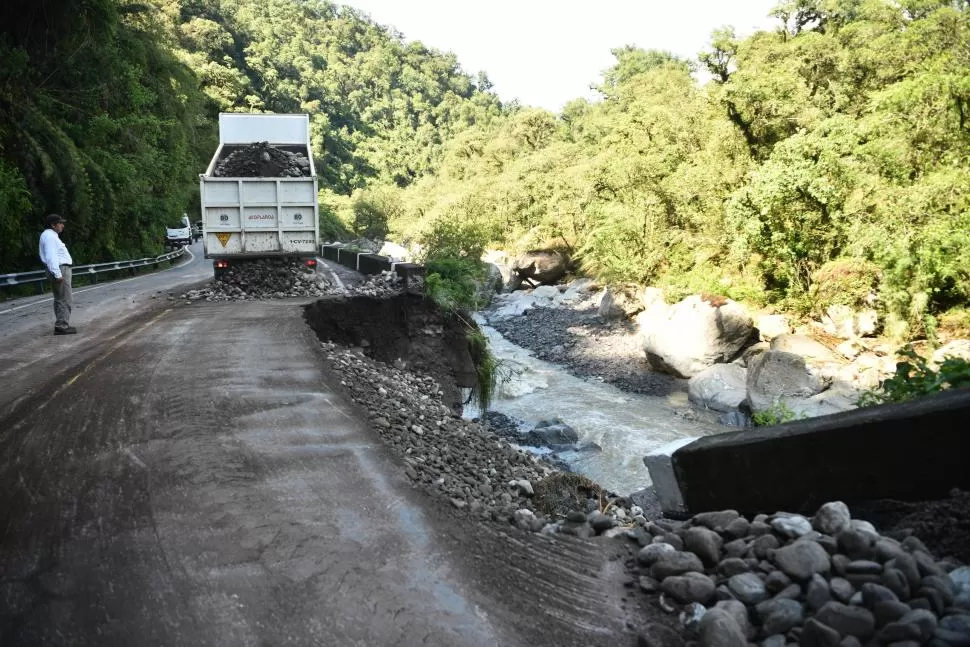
[
  {"x": 329, "y": 252},
  {"x": 659, "y": 464},
  {"x": 373, "y": 263},
  {"x": 912, "y": 451}
]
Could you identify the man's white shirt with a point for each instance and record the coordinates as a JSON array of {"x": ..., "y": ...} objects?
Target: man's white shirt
[{"x": 53, "y": 252}]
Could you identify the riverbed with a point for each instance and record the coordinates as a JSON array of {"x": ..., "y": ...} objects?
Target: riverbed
[{"x": 626, "y": 426}]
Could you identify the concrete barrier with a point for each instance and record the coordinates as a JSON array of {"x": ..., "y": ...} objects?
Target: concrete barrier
[
  {"x": 911, "y": 451},
  {"x": 347, "y": 258},
  {"x": 373, "y": 264},
  {"x": 329, "y": 252}
]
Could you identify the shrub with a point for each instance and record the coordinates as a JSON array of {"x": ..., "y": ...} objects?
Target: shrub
[
  {"x": 915, "y": 378},
  {"x": 486, "y": 366},
  {"x": 449, "y": 238},
  {"x": 846, "y": 281},
  {"x": 778, "y": 414},
  {"x": 954, "y": 324},
  {"x": 452, "y": 283},
  {"x": 332, "y": 227},
  {"x": 372, "y": 211}
]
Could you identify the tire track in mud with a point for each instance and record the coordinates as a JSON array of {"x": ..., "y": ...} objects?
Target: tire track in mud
[{"x": 554, "y": 589}]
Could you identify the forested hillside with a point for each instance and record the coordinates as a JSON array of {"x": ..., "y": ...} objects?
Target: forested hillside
[
  {"x": 108, "y": 109},
  {"x": 825, "y": 161}
]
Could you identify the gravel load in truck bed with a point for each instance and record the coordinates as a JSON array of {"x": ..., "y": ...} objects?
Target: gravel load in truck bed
[{"x": 263, "y": 160}]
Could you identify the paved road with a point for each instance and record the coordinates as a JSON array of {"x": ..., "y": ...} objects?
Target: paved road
[{"x": 185, "y": 474}]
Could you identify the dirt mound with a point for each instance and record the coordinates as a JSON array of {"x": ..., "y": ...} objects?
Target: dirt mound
[{"x": 263, "y": 160}]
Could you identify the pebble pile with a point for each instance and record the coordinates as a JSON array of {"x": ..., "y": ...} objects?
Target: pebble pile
[
  {"x": 784, "y": 579},
  {"x": 262, "y": 160}
]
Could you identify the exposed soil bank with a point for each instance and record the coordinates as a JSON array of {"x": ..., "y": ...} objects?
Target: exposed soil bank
[{"x": 405, "y": 331}]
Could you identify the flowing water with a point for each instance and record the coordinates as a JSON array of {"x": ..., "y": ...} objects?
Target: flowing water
[{"x": 625, "y": 425}]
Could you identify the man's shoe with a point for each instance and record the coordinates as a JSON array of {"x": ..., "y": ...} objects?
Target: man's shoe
[{"x": 70, "y": 330}]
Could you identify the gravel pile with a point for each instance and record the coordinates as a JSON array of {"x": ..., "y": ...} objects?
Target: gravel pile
[
  {"x": 587, "y": 346},
  {"x": 469, "y": 465},
  {"x": 262, "y": 160},
  {"x": 784, "y": 579},
  {"x": 264, "y": 279},
  {"x": 279, "y": 278}
]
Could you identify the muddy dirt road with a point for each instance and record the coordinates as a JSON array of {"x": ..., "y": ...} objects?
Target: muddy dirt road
[{"x": 186, "y": 474}]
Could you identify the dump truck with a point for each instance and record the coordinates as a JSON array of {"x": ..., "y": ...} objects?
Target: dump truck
[{"x": 259, "y": 192}]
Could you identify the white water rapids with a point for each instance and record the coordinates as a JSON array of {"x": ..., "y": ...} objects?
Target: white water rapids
[{"x": 625, "y": 425}]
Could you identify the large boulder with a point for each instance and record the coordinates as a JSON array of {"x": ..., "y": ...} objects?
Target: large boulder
[
  {"x": 500, "y": 260},
  {"x": 778, "y": 377},
  {"x": 577, "y": 290},
  {"x": 771, "y": 326},
  {"x": 491, "y": 284},
  {"x": 957, "y": 349},
  {"x": 698, "y": 332},
  {"x": 805, "y": 346},
  {"x": 538, "y": 267},
  {"x": 848, "y": 323},
  {"x": 722, "y": 387},
  {"x": 395, "y": 252}
]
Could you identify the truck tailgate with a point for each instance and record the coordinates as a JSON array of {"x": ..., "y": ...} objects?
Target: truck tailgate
[{"x": 259, "y": 216}]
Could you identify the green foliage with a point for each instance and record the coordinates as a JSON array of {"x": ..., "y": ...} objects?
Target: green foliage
[
  {"x": 452, "y": 283},
  {"x": 825, "y": 163},
  {"x": 778, "y": 414},
  {"x": 332, "y": 228},
  {"x": 98, "y": 122},
  {"x": 915, "y": 377},
  {"x": 487, "y": 368},
  {"x": 955, "y": 323},
  {"x": 846, "y": 281},
  {"x": 449, "y": 239},
  {"x": 372, "y": 211},
  {"x": 15, "y": 234}
]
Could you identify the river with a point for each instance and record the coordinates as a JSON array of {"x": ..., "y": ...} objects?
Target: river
[{"x": 626, "y": 426}]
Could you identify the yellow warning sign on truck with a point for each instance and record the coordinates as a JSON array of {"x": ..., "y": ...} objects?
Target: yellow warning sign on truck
[{"x": 224, "y": 237}]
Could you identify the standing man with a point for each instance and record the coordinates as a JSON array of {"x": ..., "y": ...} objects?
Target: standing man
[{"x": 54, "y": 255}]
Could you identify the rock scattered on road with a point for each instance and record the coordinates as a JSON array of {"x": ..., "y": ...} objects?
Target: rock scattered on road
[{"x": 278, "y": 279}]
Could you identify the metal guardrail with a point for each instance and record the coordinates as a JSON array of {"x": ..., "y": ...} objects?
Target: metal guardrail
[{"x": 37, "y": 276}]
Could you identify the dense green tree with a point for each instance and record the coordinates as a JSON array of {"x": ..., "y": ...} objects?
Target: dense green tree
[{"x": 98, "y": 122}]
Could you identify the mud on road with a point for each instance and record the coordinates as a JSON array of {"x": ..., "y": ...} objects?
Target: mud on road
[{"x": 190, "y": 475}]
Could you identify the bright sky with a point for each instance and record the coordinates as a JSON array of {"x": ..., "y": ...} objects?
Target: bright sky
[{"x": 547, "y": 52}]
